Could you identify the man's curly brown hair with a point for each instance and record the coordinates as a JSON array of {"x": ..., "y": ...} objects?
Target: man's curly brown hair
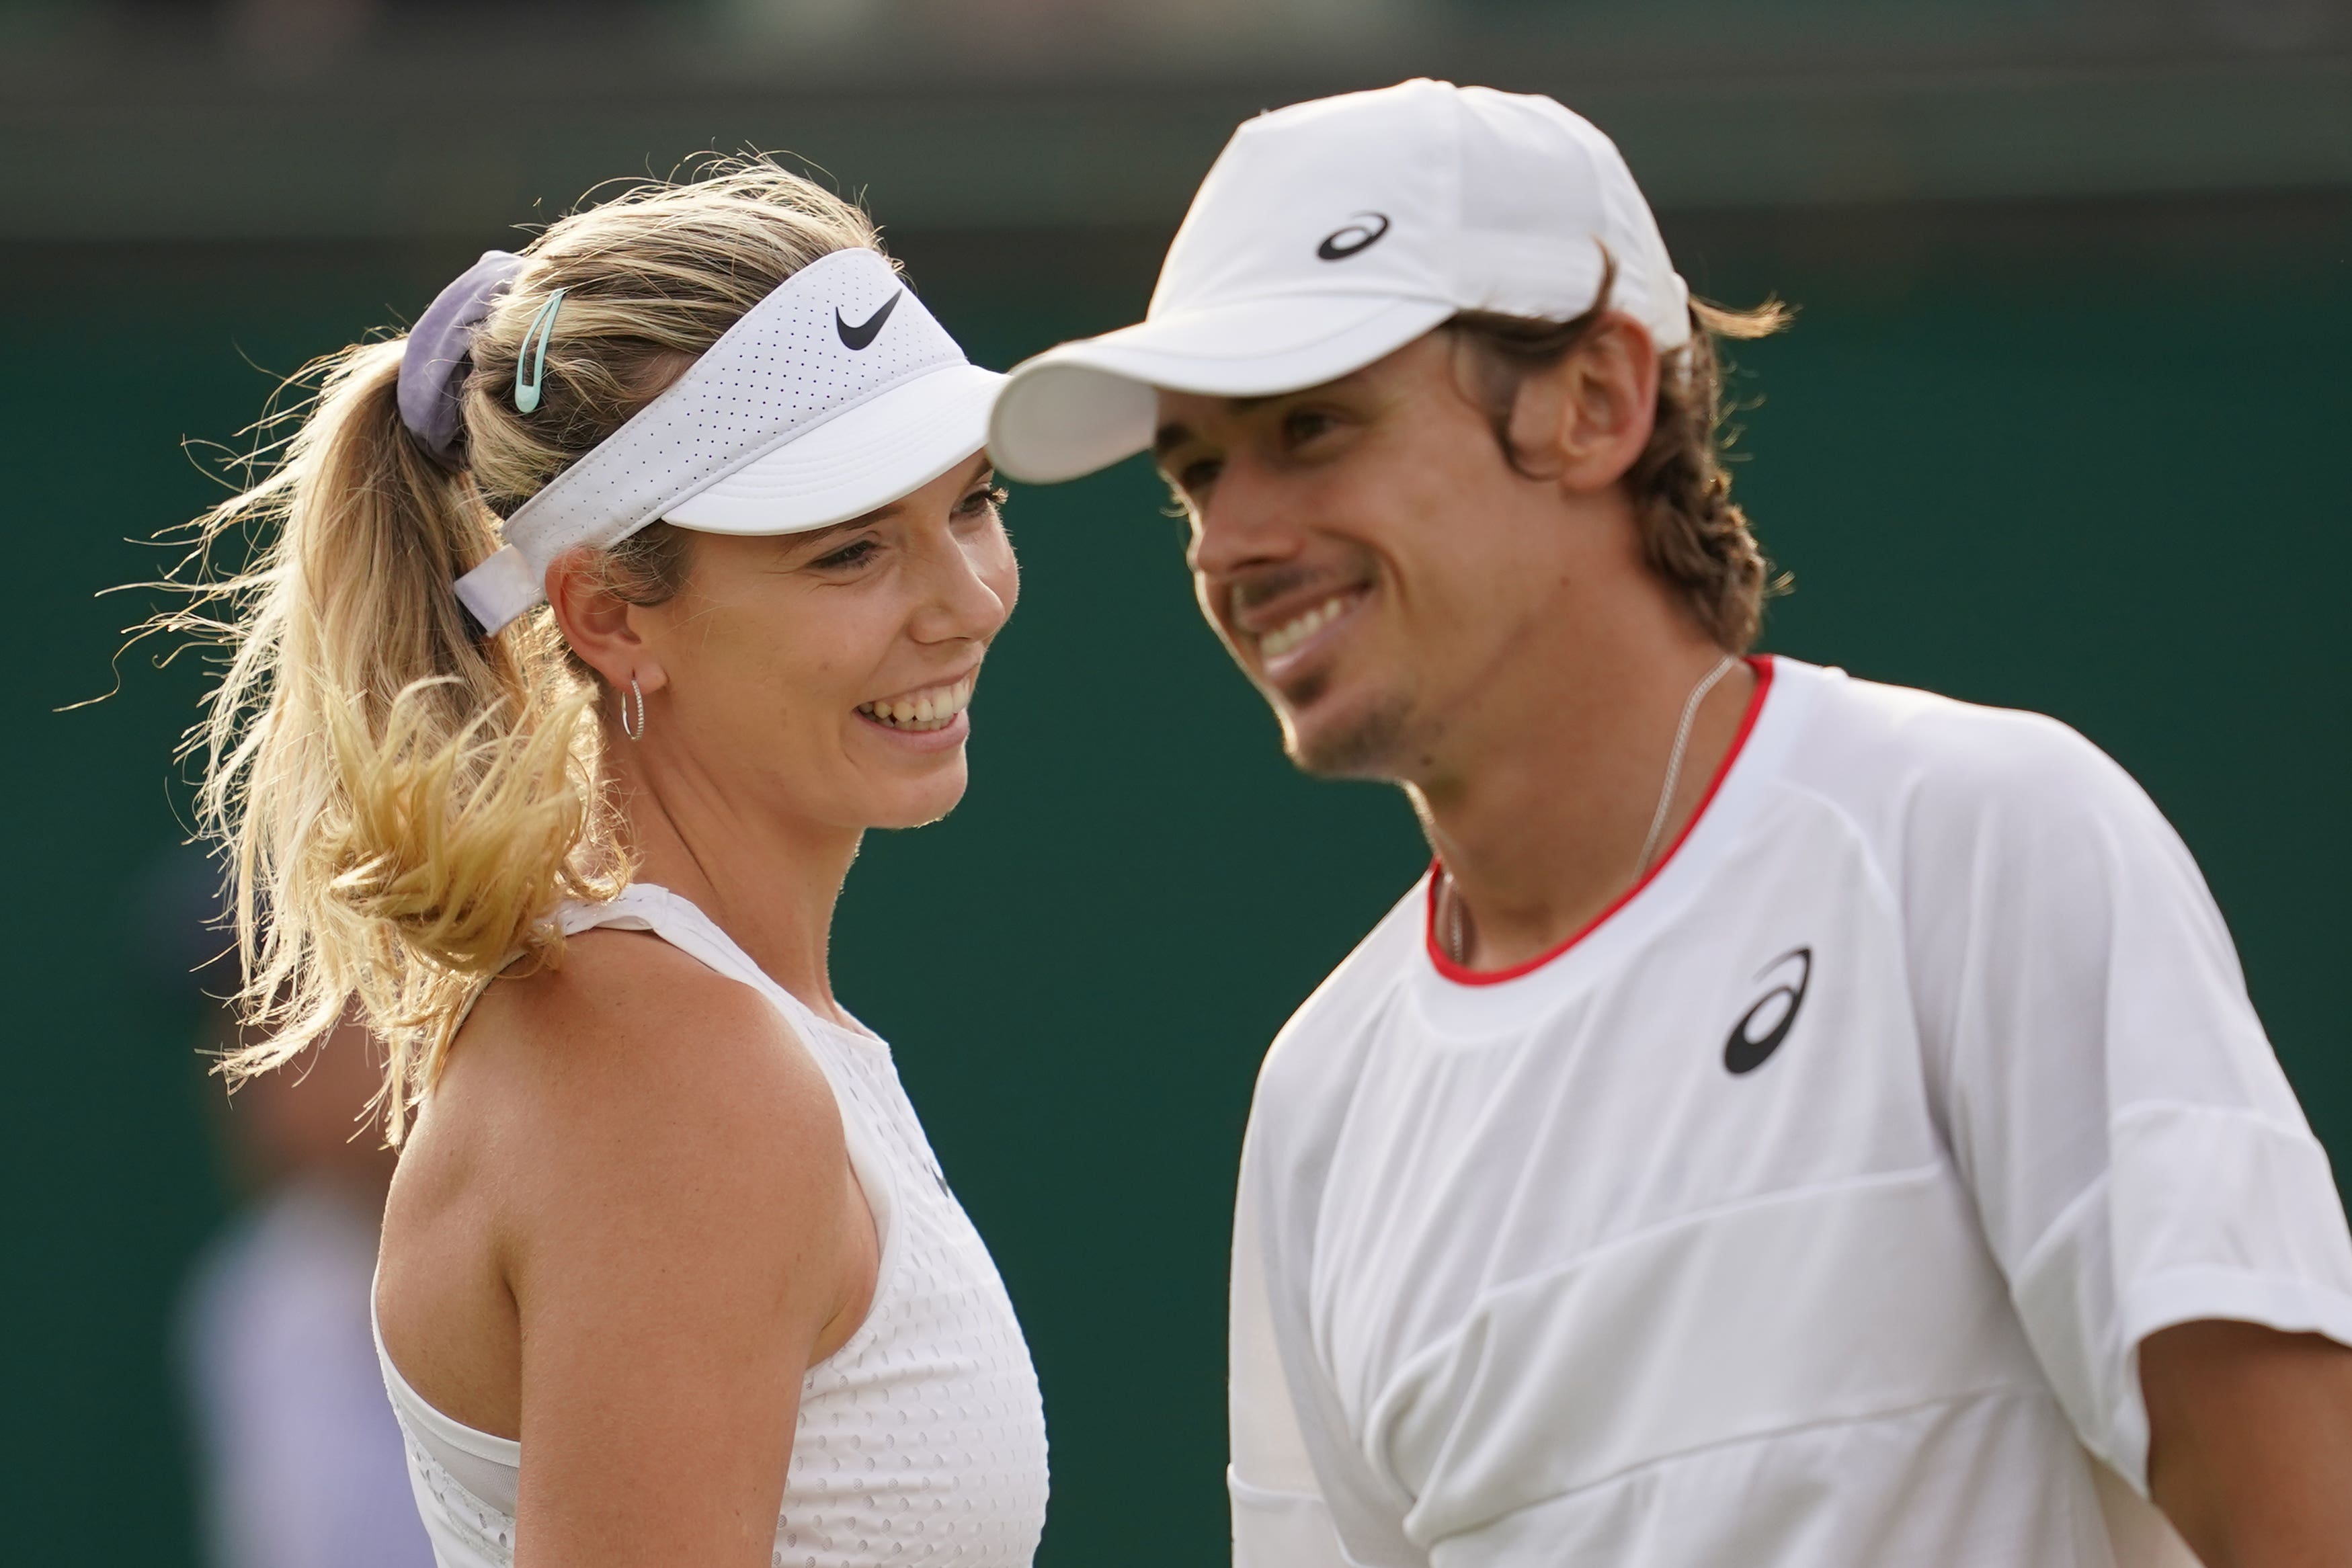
[{"x": 1693, "y": 534}]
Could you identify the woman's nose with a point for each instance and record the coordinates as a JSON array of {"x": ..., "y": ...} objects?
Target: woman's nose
[{"x": 971, "y": 588}]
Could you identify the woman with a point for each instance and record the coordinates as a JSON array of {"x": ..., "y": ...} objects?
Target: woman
[{"x": 668, "y": 1271}]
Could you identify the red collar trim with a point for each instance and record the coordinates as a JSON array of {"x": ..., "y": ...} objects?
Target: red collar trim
[{"x": 1762, "y": 665}]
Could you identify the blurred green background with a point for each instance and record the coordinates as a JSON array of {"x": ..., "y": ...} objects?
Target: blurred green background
[{"x": 2071, "y": 449}]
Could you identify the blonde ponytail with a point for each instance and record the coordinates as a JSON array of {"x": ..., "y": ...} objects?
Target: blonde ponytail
[{"x": 405, "y": 804}]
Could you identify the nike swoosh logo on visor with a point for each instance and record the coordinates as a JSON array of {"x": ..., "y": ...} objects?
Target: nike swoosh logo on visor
[{"x": 859, "y": 337}]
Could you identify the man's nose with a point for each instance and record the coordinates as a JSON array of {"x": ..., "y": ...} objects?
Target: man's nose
[{"x": 1244, "y": 522}]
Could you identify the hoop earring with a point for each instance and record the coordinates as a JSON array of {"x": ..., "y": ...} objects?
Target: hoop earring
[{"x": 638, "y": 731}]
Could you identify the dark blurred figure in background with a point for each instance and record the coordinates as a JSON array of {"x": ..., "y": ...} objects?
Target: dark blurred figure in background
[{"x": 297, "y": 1453}]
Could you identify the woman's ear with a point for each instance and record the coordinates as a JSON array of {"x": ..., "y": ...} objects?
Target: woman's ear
[
  {"x": 1605, "y": 395},
  {"x": 603, "y": 627}
]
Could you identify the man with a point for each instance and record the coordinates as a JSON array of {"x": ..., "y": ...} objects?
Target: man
[{"x": 1799, "y": 1121}]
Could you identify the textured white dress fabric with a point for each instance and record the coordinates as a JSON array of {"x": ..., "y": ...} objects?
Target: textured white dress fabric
[
  {"x": 1685, "y": 1250},
  {"x": 922, "y": 1441}
]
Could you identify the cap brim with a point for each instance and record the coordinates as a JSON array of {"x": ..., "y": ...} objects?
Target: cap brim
[
  {"x": 865, "y": 457},
  {"x": 1087, "y": 404}
]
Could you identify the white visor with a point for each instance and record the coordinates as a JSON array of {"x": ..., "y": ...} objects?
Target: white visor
[
  {"x": 862, "y": 459},
  {"x": 837, "y": 394}
]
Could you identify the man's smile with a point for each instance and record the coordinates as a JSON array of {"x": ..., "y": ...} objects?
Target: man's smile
[{"x": 1294, "y": 641}]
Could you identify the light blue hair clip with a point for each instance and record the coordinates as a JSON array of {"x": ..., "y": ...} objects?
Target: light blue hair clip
[{"x": 543, "y": 327}]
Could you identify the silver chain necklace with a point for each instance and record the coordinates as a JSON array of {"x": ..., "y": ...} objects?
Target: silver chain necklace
[{"x": 1456, "y": 947}]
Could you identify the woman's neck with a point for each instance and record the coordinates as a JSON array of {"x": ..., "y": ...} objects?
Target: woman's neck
[{"x": 771, "y": 883}]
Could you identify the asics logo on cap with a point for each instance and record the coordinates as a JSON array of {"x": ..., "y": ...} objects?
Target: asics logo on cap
[
  {"x": 1342, "y": 244},
  {"x": 857, "y": 337},
  {"x": 1744, "y": 1052}
]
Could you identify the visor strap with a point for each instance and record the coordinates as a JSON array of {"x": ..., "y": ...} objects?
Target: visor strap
[{"x": 500, "y": 590}]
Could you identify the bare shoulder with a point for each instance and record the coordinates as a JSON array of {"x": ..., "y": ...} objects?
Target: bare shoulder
[
  {"x": 620, "y": 1147},
  {"x": 625, "y": 1141},
  {"x": 632, "y": 1079},
  {"x": 624, "y": 1003}
]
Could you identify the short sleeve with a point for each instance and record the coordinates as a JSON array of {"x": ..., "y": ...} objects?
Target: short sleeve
[
  {"x": 1280, "y": 1520},
  {"x": 2136, "y": 1154}
]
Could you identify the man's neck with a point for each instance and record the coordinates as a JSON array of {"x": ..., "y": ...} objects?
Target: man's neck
[{"x": 1542, "y": 809}]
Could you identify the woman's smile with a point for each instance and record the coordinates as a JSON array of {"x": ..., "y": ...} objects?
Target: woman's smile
[
  {"x": 927, "y": 719},
  {"x": 927, "y": 709}
]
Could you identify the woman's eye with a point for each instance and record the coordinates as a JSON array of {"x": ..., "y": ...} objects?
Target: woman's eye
[
  {"x": 1195, "y": 477},
  {"x": 855, "y": 553},
  {"x": 981, "y": 501}
]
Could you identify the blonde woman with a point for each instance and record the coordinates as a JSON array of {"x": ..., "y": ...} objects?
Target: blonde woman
[{"x": 670, "y": 1273}]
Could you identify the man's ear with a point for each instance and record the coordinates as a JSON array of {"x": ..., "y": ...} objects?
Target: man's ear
[
  {"x": 1597, "y": 406},
  {"x": 602, "y": 627}
]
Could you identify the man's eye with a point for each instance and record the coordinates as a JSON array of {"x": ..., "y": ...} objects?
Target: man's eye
[
  {"x": 1301, "y": 425},
  {"x": 855, "y": 553}
]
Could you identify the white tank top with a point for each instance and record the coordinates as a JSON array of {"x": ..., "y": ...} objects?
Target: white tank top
[{"x": 921, "y": 1440}]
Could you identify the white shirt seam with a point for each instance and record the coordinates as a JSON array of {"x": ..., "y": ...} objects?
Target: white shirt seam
[
  {"x": 2000, "y": 1390},
  {"x": 2069, "y": 1217},
  {"x": 1410, "y": 1366}
]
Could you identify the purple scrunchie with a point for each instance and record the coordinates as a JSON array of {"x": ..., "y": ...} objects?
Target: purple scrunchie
[{"x": 434, "y": 360}]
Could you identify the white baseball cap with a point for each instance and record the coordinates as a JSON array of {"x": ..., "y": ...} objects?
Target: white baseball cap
[
  {"x": 836, "y": 394},
  {"x": 1333, "y": 233}
]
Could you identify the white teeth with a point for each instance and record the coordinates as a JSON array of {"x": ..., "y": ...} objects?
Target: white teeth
[
  {"x": 1294, "y": 632},
  {"x": 932, "y": 709}
]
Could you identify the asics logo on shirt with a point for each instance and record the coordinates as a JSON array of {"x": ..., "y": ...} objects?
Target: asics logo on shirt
[
  {"x": 1745, "y": 1052},
  {"x": 857, "y": 337},
  {"x": 1342, "y": 244}
]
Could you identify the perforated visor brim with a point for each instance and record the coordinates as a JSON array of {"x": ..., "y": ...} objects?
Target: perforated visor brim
[
  {"x": 857, "y": 461},
  {"x": 1086, "y": 405}
]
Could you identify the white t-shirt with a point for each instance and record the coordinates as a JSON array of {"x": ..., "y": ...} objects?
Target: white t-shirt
[{"x": 1807, "y": 1212}]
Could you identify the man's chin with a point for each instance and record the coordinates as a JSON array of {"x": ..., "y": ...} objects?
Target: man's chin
[{"x": 1367, "y": 743}]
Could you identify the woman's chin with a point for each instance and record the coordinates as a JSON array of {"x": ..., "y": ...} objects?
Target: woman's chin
[
  {"x": 908, "y": 778},
  {"x": 916, "y": 803}
]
